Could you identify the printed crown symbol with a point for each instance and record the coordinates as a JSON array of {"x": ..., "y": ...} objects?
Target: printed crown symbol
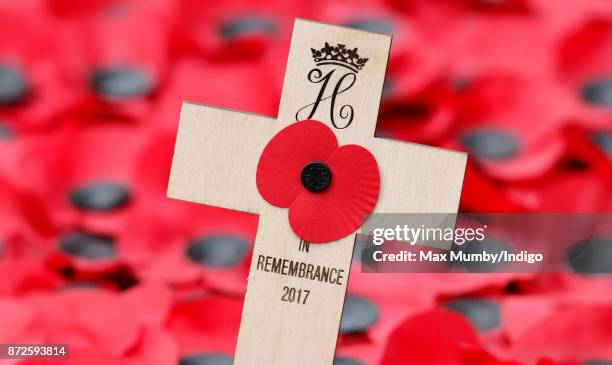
[{"x": 339, "y": 55}]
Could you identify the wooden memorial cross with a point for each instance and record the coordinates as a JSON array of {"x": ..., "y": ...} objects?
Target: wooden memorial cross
[{"x": 289, "y": 320}]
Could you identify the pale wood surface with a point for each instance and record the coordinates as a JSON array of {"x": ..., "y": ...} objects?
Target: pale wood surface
[
  {"x": 417, "y": 178},
  {"x": 364, "y": 96},
  {"x": 215, "y": 161},
  {"x": 216, "y": 155}
]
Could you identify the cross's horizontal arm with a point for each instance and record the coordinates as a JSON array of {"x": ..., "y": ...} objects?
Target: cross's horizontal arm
[
  {"x": 417, "y": 178},
  {"x": 228, "y": 145}
]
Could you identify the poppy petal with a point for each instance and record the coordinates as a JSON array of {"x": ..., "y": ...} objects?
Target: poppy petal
[
  {"x": 284, "y": 157},
  {"x": 434, "y": 338},
  {"x": 340, "y": 209}
]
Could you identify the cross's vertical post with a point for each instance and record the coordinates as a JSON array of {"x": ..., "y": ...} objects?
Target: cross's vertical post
[{"x": 334, "y": 75}]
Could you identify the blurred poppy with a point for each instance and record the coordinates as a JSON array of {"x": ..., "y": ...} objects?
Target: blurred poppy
[
  {"x": 116, "y": 71},
  {"x": 218, "y": 315},
  {"x": 235, "y": 30},
  {"x": 504, "y": 123},
  {"x": 32, "y": 90},
  {"x": 433, "y": 337}
]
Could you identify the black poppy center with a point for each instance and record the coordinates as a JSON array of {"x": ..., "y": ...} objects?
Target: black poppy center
[
  {"x": 316, "y": 176},
  {"x": 121, "y": 82},
  {"x": 13, "y": 85},
  {"x": 245, "y": 26}
]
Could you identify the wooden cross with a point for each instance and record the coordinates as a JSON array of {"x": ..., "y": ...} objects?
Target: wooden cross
[{"x": 289, "y": 319}]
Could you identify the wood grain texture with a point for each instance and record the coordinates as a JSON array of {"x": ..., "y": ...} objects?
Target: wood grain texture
[
  {"x": 214, "y": 163},
  {"x": 277, "y": 332},
  {"x": 215, "y": 157},
  {"x": 417, "y": 178},
  {"x": 364, "y": 96}
]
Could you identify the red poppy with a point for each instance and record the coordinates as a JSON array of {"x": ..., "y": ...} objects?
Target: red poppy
[
  {"x": 117, "y": 327},
  {"x": 394, "y": 298},
  {"x": 329, "y": 190},
  {"x": 474, "y": 355},
  {"x": 33, "y": 91},
  {"x": 589, "y": 147},
  {"x": 481, "y": 194},
  {"x": 496, "y": 123},
  {"x": 208, "y": 324},
  {"x": 433, "y": 337},
  {"x": 582, "y": 58},
  {"x": 115, "y": 71},
  {"x": 221, "y": 90},
  {"x": 239, "y": 30},
  {"x": 572, "y": 332},
  {"x": 86, "y": 317},
  {"x": 549, "y": 193},
  {"x": 27, "y": 276},
  {"x": 374, "y": 16}
]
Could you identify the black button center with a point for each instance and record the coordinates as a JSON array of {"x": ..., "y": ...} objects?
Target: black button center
[{"x": 316, "y": 176}]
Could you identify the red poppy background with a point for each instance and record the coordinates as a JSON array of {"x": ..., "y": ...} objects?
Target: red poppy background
[{"x": 93, "y": 255}]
